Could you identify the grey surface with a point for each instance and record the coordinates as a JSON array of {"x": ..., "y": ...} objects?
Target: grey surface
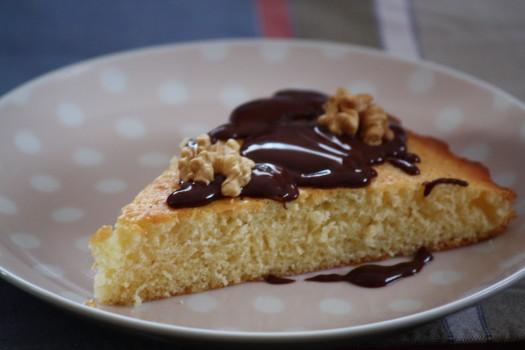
[
  {"x": 351, "y": 21},
  {"x": 485, "y": 38}
]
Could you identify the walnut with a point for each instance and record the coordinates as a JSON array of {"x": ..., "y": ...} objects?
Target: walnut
[
  {"x": 200, "y": 160},
  {"x": 356, "y": 115},
  {"x": 340, "y": 117},
  {"x": 375, "y": 126}
]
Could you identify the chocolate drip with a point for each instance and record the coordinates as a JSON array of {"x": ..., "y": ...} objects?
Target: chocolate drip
[
  {"x": 410, "y": 157},
  {"x": 291, "y": 149},
  {"x": 272, "y": 279},
  {"x": 429, "y": 186},
  {"x": 268, "y": 181},
  {"x": 195, "y": 194},
  {"x": 404, "y": 165},
  {"x": 373, "y": 276}
]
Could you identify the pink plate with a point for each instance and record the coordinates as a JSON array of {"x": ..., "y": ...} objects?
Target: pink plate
[{"x": 77, "y": 144}]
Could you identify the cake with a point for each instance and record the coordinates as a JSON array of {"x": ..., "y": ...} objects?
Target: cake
[{"x": 294, "y": 183}]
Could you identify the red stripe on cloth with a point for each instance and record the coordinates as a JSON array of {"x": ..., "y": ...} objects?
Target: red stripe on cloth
[{"x": 274, "y": 18}]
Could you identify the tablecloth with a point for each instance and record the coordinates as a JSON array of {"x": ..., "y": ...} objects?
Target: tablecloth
[{"x": 485, "y": 38}]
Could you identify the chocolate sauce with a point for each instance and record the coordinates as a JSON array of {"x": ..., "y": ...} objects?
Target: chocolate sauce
[
  {"x": 196, "y": 194},
  {"x": 404, "y": 165},
  {"x": 268, "y": 181},
  {"x": 271, "y": 181},
  {"x": 282, "y": 136},
  {"x": 272, "y": 279},
  {"x": 429, "y": 186},
  {"x": 373, "y": 276}
]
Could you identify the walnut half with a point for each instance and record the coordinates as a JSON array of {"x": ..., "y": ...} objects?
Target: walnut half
[
  {"x": 200, "y": 160},
  {"x": 356, "y": 115}
]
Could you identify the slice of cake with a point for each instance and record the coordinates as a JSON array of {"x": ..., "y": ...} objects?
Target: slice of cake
[{"x": 294, "y": 183}]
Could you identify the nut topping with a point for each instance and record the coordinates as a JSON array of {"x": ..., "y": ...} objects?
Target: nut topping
[
  {"x": 356, "y": 115},
  {"x": 200, "y": 160}
]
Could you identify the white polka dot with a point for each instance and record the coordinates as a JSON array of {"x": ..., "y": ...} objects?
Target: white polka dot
[
  {"x": 7, "y": 206},
  {"x": 111, "y": 186},
  {"x": 232, "y": 96},
  {"x": 448, "y": 119},
  {"x": 214, "y": 52},
  {"x": 362, "y": 86},
  {"x": 445, "y": 277},
  {"x": 154, "y": 160},
  {"x": 268, "y": 304},
  {"x": 27, "y": 142},
  {"x": 420, "y": 81},
  {"x": 274, "y": 52},
  {"x": 334, "y": 52},
  {"x": 87, "y": 157},
  {"x": 113, "y": 80},
  {"x": 67, "y": 215},
  {"x": 130, "y": 128},
  {"x": 73, "y": 296},
  {"x": 45, "y": 183},
  {"x": 522, "y": 131},
  {"x": 520, "y": 207},
  {"x": 51, "y": 271},
  {"x": 201, "y": 303},
  {"x": 500, "y": 102},
  {"x": 335, "y": 306},
  {"x": 70, "y": 114},
  {"x": 173, "y": 92},
  {"x": 476, "y": 151},
  {"x": 21, "y": 96},
  {"x": 405, "y": 305},
  {"x": 25, "y": 240},
  {"x": 82, "y": 243},
  {"x": 513, "y": 261},
  {"x": 505, "y": 179}
]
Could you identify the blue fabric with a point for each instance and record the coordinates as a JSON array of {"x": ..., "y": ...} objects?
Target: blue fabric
[{"x": 37, "y": 36}]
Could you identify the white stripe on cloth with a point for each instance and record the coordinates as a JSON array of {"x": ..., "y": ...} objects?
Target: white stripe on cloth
[
  {"x": 396, "y": 27},
  {"x": 466, "y": 325}
]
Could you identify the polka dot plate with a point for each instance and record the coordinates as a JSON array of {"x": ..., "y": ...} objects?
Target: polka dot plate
[{"x": 78, "y": 143}]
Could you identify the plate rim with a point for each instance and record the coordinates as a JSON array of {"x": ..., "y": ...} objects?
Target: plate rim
[{"x": 171, "y": 330}]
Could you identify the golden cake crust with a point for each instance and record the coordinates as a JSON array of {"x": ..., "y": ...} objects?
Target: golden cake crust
[
  {"x": 437, "y": 161},
  {"x": 154, "y": 251}
]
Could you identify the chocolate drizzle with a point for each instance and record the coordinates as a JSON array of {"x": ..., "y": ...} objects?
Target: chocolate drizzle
[
  {"x": 404, "y": 165},
  {"x": 272, "y": 279},
  {"x": 429, "y": 186},
  {"x": 290, "y": 149},
  {"x": 268, "y": 181},
  {"x": 373, "y": 276}
]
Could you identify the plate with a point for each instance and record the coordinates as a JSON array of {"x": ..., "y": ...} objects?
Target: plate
[{"x": 78, "y": 143}]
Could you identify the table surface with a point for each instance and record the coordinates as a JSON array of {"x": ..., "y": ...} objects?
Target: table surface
[{"x": 481, "y": 37}]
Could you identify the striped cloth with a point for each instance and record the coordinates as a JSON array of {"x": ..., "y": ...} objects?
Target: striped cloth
[{"x": 482, "y": 37}]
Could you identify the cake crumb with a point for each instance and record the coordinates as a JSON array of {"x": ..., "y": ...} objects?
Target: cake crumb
[{"x": 91, "y": 303}]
